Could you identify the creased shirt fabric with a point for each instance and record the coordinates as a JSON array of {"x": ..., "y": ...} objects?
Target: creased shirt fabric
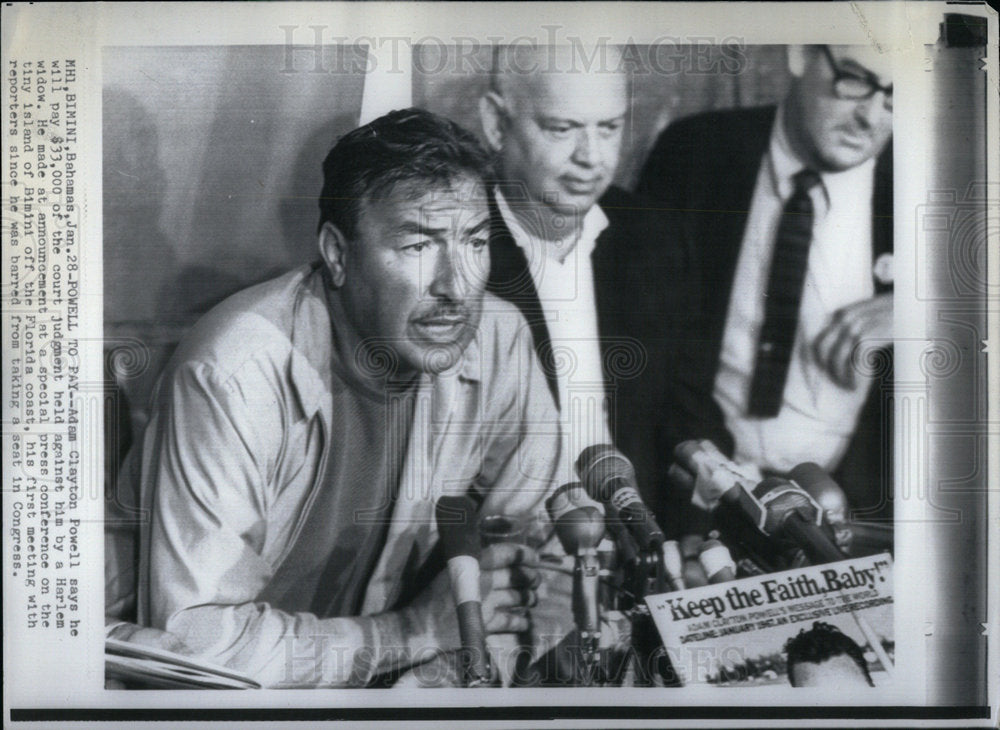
[
  {"x": 565, "y": 286},
  {"x": 236, "y": 451},
  {"x": 817, "y": 416}
]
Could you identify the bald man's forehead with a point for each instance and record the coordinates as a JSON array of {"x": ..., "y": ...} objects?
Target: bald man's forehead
[
  {"x": 576, "y": 103},
  {"x": 520, "y": 65},
  {"x": 606, "y": 92},
  {"x": 563, "y": 85}
]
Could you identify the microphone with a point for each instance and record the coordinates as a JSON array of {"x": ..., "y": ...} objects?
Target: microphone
[
  {"x": 821, "y": 487},
  {"x": 774, "y": 506},
  {"x": 694, "y": 574},
  {"x": 831, "y": 499},
  {"x": 726, "y": 483},
  {"x": 717, "y": 561},
  {"x": 606, "y": 597},
  {"x": 673, "y": 563},
  {"x": 580, "y": 527},
  {"x": 628, "y": 551},
  {"x": 609, "y": 478},
  {"x": 792, "y": 514},
  {"x": 709, "y": 473},
  {"x": 456, "y": 522}
]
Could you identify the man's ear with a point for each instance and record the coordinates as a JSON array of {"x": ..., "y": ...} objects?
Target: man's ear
[
  {"x": 491, "y": 113},
  {"x": 798, "y": 60},
  {"x": 333, "y": 249}
]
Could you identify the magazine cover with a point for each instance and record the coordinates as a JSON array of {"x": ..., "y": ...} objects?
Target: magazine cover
[{"x": 779, "y": 628}]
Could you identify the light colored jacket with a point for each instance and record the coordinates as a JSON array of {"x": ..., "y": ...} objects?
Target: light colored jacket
[{"x": 235, "y": 452}]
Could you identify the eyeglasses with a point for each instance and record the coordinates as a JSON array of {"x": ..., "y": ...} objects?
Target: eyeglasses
[{"x": 856, "y": 86}]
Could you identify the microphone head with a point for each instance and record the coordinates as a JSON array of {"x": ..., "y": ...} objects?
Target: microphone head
[
  {"x": 457, "y": 526},
  {"x": 581, "y": 529},
  {"x": 599, "y": 467},
  {"x": 781, "y": 498},
  {"x": 567, "y": 498},
  {"x": 579, "y": 521},
  {"x": 820, "y": 485}
]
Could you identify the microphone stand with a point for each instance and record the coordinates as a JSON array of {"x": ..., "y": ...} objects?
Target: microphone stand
[
  {"x": 652, "y": 665},
  {"x": 586, "y": 575}
]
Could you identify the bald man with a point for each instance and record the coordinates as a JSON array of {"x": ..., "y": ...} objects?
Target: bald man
[
  {"x": 792, "y": 365},
  {"x": 588, "y": 264}
]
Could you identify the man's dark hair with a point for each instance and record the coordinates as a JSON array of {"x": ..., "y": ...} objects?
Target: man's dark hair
[
  {"x": 404, "y": 146},
  {"x": 822, "y": 642}
]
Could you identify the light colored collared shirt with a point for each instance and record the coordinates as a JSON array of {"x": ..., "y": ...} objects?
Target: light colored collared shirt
[
  {"x": 817, "y": 416},
  {"x": 236, "y": 451},
  {"x": 563, "y": 274}
]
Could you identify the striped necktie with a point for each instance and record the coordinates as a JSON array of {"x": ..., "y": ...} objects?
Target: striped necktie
[{"x": 784, "y": 294}]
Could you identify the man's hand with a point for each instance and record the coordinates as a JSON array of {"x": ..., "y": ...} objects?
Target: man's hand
[
  {"x": 508, "y": 581},
  {"x": 147, "y": 636},
  {"x": 703, "y": 470},
  {"x": 849, "y": 326},
  {"x": 143, "y": 636}
]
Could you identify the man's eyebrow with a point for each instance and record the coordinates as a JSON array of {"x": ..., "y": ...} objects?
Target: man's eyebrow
[
  {"x": 478, "y": 227},
  {"x": 419, "y": 228},
  {"x": 546, "y": 119},
  {"x": 415, "y": 227},
  {"x": 849, "y": 65},
  {"x": 576, "y": 123}
]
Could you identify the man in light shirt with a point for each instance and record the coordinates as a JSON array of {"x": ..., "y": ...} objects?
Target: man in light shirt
[
  {"x": 790, "y": 209},
  {"x": 305, "y": 428},
  {"x": 585, "y": 261}
]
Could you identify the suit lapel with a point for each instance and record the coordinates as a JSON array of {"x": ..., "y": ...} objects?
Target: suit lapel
[
  {"x": 731, "y": 176},
  {"x": 606, "y": 281},
  {"x": 510, "y": 279}
]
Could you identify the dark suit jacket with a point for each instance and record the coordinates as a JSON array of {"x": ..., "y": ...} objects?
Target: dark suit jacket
[
  {"x": 643, "y": 292},
  {"x": 704, "y": 168}
]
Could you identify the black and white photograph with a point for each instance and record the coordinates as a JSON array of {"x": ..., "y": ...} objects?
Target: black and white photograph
[{"x": 433, "y": 362}]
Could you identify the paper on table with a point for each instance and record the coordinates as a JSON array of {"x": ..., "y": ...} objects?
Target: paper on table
[{"x": 158, "y": 667}]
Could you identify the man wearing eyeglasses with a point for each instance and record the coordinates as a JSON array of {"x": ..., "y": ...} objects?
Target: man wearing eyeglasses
[{"x": 790, "y": 209}]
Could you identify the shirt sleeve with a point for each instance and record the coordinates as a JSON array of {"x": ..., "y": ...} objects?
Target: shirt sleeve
[
  {"x": 205, "y": 476},
  {"x": 522, "y": 449},
  {"x": 523, "y": 464}
]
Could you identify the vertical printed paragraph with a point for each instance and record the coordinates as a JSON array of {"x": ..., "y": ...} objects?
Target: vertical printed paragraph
[{"x": 41, "y": 260}]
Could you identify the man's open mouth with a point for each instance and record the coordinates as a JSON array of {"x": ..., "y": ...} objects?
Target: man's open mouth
[
  {"x": 439, "y": 327},
  {"x": 581, "y": 187}
]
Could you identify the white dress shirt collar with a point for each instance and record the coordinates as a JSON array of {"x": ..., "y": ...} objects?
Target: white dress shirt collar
[
  {"x": 535, "y": 247},
  {"x": 784, "y": 164},
  {"x": 563, "y": 275}
]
